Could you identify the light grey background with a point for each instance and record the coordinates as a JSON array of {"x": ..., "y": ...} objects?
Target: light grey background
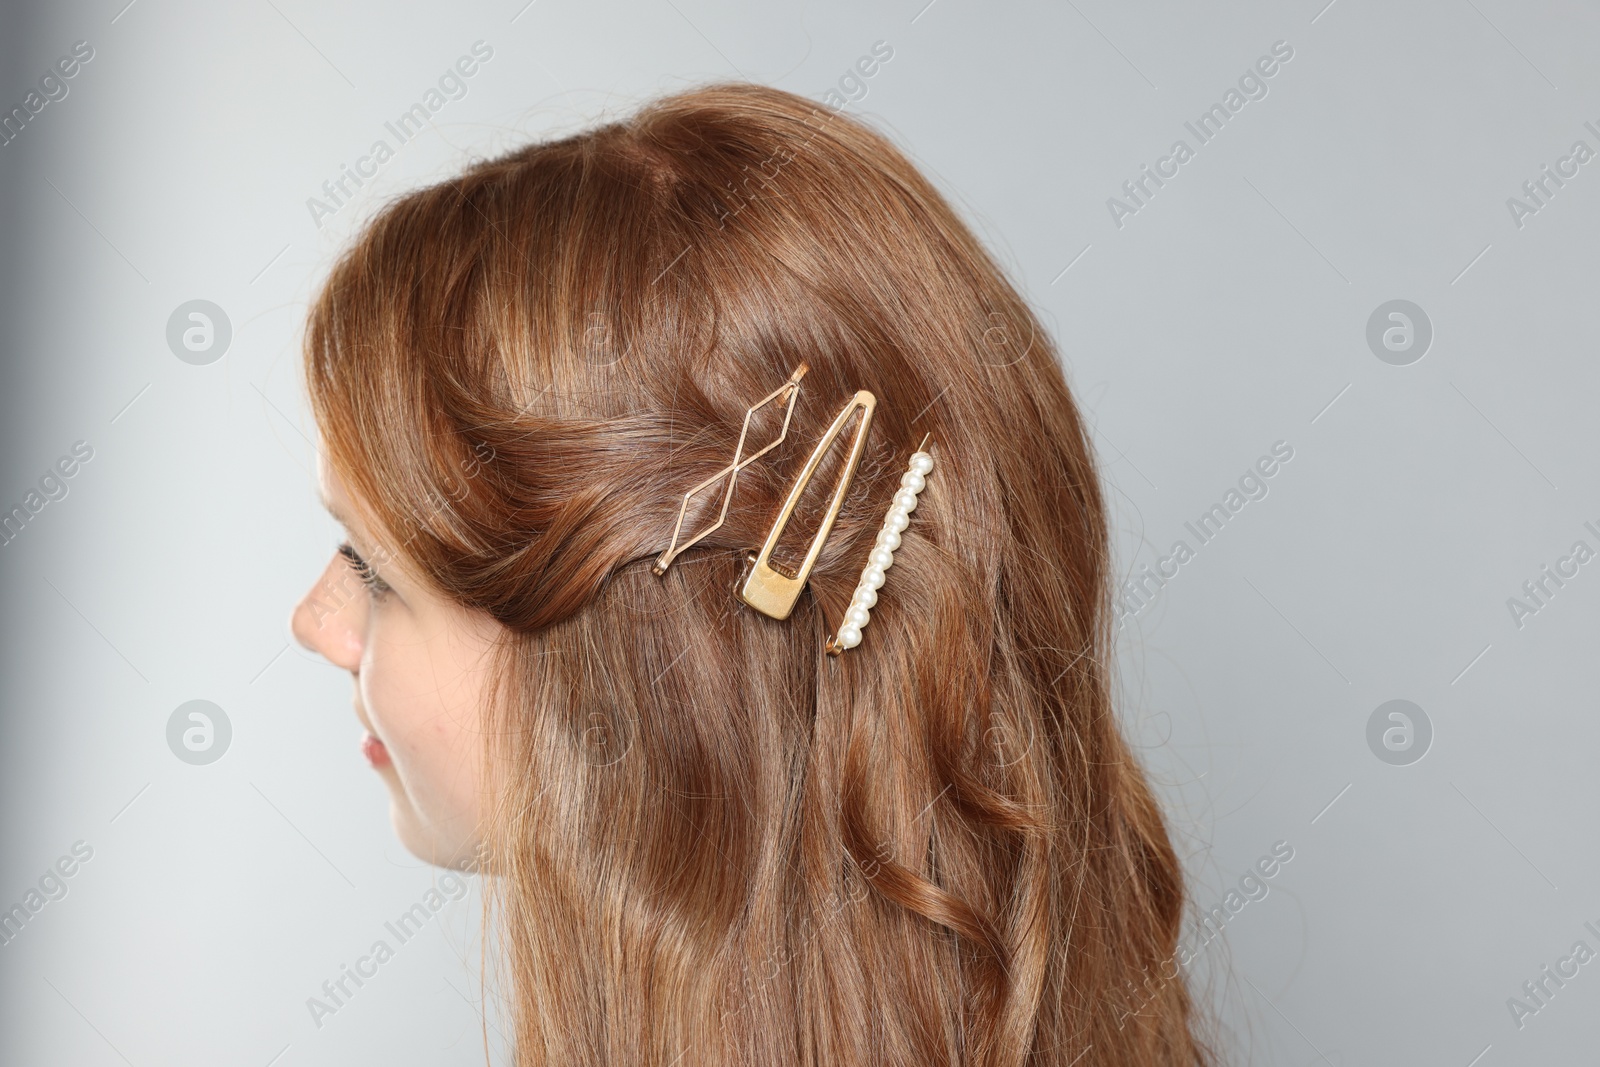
[{"x": 1229, "y": 313}]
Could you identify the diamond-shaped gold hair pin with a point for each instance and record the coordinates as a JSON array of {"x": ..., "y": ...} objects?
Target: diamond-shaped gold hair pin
[{"x": 787, "y": 392}]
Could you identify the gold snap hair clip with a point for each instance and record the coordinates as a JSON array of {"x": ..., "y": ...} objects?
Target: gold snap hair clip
[
  {"x": 912, "y": 482},
  {"x": 788, "y": 390},
  {"x": 769, "y": 590}
]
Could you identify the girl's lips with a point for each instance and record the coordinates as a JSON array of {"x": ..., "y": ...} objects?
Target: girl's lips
[{"x": 373, "y": 749}]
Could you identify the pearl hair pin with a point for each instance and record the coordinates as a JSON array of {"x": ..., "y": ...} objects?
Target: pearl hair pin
[{"x": 881, "y": 559}]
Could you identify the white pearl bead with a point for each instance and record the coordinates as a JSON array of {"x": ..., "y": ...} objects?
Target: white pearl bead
[{"x": 884, "y": 546}]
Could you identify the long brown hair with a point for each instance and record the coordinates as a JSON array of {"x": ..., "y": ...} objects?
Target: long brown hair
[{"x": 711, "y": 843}]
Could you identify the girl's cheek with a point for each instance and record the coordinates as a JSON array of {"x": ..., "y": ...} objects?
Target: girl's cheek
[
  {"x": 397, "y": 690},
  {"x": 382, "y": 699}
]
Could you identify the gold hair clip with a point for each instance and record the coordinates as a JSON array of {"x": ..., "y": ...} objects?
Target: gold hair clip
[
  {"x": 773, "y": 592},
  {"x": 731, "y": 471},
  {"x": 912, "y": 482}
]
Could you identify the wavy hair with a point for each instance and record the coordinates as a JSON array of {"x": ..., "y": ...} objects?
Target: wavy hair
[{"x": 711, "y": 843}]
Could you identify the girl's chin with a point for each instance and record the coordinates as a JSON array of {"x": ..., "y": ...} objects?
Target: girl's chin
[{"x": 428, "y": 842}]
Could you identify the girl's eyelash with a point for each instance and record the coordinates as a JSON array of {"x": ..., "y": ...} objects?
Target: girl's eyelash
[{"x": 369, "y": 577}]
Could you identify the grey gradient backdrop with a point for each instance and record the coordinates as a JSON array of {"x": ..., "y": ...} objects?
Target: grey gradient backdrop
[{"x": 1228, "y": 313}]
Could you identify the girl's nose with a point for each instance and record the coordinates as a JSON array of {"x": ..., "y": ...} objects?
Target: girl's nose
[{"x": 331, "y": 618}]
